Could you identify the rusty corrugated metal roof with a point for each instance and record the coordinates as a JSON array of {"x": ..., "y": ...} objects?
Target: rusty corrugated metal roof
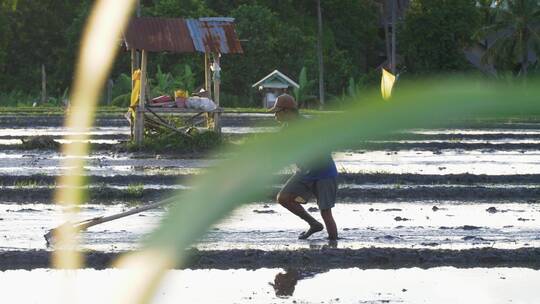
[
  {"x": 214, "y": 35},
  {"x": 159, "y": 34},
  {"x": 182, "y": 35}
]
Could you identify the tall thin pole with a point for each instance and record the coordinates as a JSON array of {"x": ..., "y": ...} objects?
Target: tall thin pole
[
  {"x": 320, "y": 54},
  {"x": 43, "y": 84},
  {"x": 217, "y": 83},
  {"x": 394, "y": 17},
  {"x": 384, "y": 8},
  {"x": 139, "y": 113},
  {"x": 137, "y": 53}
]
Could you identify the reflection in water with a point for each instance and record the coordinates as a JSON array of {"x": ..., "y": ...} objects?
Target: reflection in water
[
  {"x": 285, "y": 282},
  {"x": 440, "y": 285},
  {"x": 314, "y": 244}
]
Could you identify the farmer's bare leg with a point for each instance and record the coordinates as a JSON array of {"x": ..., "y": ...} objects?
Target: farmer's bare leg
[
  {"x": 287, "y": 200},
  {"x": 330, "y": 224}
]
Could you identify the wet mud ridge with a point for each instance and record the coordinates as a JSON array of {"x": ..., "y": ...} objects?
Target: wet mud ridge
[
  {"x": 323, "y": 258},
  {"x": 345, "y": 178},
  {"x": 56, "y": 120},
  {"x": 375, "y": 187},
  {"x": 107, "y": 196}
]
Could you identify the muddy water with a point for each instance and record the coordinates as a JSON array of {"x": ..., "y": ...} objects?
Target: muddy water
[
  {"x": 274, "y": 285},
  {"x": 386, "y": 217},
  {"x": 440, "y": 162},
  {"x": 450, "y": 225},
  {"x": 62, "y": 131},
  {"x": 401, "y": 162}
]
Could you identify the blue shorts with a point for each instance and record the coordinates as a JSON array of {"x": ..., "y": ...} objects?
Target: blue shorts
[{"x": 324, "y": 190}]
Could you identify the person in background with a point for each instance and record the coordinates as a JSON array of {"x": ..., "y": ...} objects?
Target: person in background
[{"x": 318, "y": 180}]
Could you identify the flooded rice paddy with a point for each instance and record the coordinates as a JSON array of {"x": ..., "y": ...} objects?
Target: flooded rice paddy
[
  {"x": 266, "y": 226},
  {"x": 353, "y": 285},
  {"x": 410, "y": 209}
]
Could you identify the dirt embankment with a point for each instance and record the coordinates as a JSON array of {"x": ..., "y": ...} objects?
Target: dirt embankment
[
  {"x": 345, "y": 178},
  {"x": 407, "y": 187},
  {"x": 118, "y": 120},
  {"x": 324, "y": 258},
  {"x": 113, "y": 196}
]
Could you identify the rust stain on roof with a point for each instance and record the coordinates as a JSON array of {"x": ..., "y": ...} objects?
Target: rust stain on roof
[{"x": 209, "y": 35}]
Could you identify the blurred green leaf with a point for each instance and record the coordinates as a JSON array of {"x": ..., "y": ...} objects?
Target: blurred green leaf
[{"x": 243, "y": 178}]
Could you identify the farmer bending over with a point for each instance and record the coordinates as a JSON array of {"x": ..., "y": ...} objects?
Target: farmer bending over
[{"x": 317, "y": 180}]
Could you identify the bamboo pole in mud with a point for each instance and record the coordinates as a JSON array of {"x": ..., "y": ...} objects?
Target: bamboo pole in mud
[{"x": 85, "y": 224}]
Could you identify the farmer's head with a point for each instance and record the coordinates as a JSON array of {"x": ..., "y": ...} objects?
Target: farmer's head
[{"x": 285, "y": 108}]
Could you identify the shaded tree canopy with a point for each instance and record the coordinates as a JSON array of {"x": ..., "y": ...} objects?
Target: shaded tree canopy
[
  {"x": 274, "y": 34},
  {"x": 435, "y": 32},
  {"x": 512, "y": 34}
]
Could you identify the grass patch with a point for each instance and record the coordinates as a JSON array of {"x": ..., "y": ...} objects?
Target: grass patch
[
  {"x": 27, "y": 183},
  {"x": 39, "y": 142},
  {"x": 175, "y": 143},
  {"x": 135, "y": 190}
]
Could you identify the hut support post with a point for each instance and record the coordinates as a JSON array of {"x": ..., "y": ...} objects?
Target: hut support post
[
  {"x": 206, "y": 73},
  {"x": 217, "y": 82},
  {"x": 139, "y": 116},
  {"x": 133, "y": 64}
]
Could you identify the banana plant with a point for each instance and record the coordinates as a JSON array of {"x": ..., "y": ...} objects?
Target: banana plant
[{"x": 305, "y": 86}]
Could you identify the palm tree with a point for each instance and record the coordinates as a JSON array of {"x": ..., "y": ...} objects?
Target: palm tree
[{"x": 514, "y": 33}]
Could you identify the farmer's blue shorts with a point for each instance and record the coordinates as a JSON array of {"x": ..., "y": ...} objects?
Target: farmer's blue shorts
[{"x": 323, "y": 190}]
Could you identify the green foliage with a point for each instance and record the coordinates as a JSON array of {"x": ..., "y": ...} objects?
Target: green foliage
[
  {"x": 5, "y": 37},
  {"x": 166, "y": 83},
  {"x": 39, "y": 25},
  {"x": 301, "y": 94},
  {"x": 352, "y": 89},
  {"x": 122, "y": 85},
  {"x": 122, "y": 100},
  {"x": 8, "y": 4},
  {"x": 355, "y": 26},
  {"x": 274, "y": 35},
  {"x": 434, "y": 34},
  {"x": 255, "y": 24},
  {"x": 357, "y": 88},
  {"x": 26, "y": 183},
  {"x": 186, "y": 77},
  {"x": 515, "y": 31},
  {"x": 233, "y": 100},
  {"x": 184, "y": 9},
  {"x": 162, "y": 83},
  {"x": 135, "y": 190},
  {"x": 16, "y": 98}
]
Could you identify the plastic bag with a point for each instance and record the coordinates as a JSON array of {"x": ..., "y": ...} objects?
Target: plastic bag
[{"x": 201, "y": 103}]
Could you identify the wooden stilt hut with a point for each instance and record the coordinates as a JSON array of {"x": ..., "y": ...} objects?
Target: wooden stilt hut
[{"x": 210, "y": 36}]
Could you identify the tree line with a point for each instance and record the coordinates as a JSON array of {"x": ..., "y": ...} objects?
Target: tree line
[{"x": 433, "y": 36}]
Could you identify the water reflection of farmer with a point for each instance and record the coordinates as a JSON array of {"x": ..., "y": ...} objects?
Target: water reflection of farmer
[
  {"x": 317, "y": 180},
  {"x": 285, "y": 282}
]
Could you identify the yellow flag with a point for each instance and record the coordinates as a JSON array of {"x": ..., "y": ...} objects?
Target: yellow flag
[
  {"x": 136, "y": 77},
  {"x": 387, "y": 82}
]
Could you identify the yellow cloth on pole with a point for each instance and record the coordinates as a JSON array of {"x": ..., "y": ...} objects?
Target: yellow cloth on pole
[
  {"x": 136, "y": 78},
  {"x": 135, "y": 92},
  {"x": 387, "y": 83}
]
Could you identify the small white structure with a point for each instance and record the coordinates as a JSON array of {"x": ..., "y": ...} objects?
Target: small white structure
[{"x": 273, "y": 85}]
